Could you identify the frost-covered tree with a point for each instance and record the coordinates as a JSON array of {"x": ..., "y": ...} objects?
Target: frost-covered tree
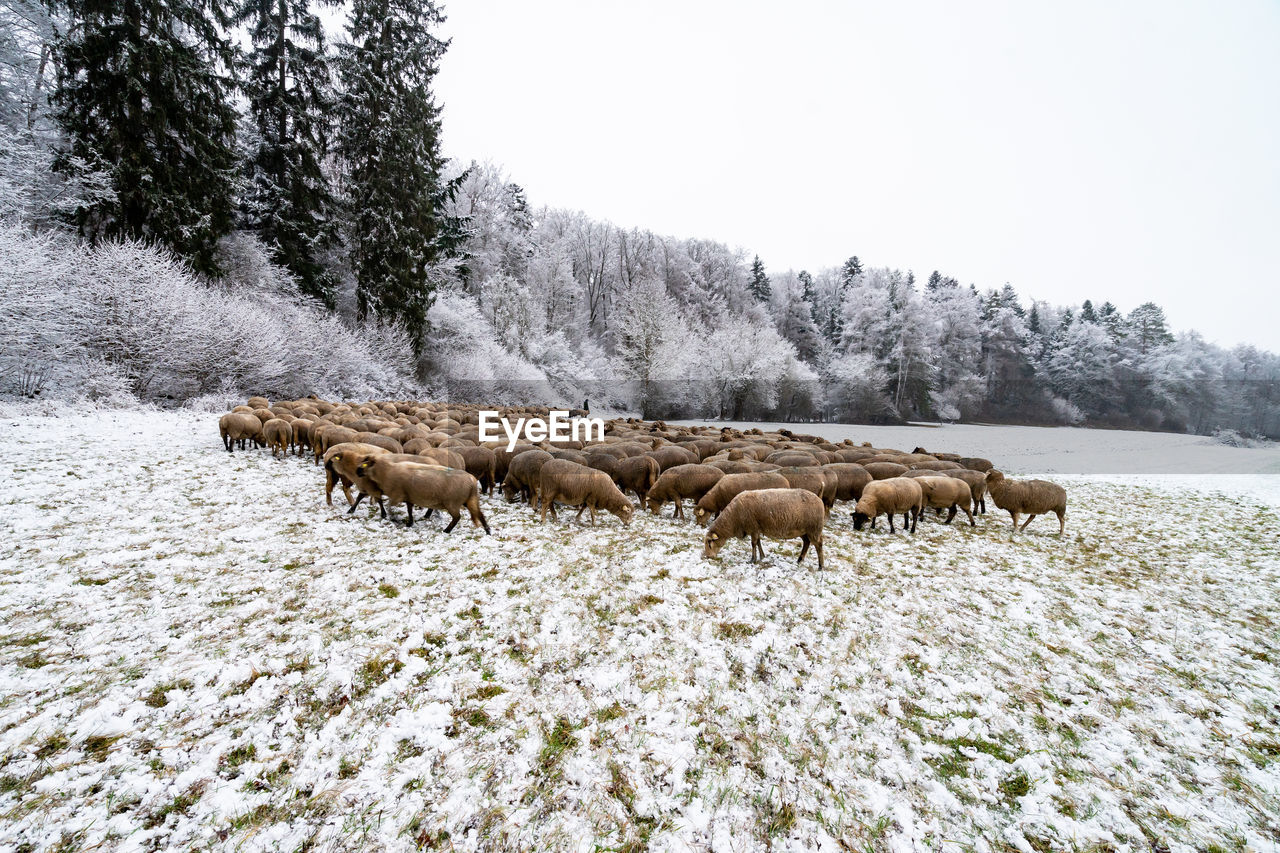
[
  {"x": 143, "y": 90},
  {"x": 288, "y": 200},
  {"x": 1149, "y": 327},
  {"x": 759, "y": 281},
  {"x": 652, "y": 346},
  {"x": 793, "y": 314},
  {"x": 398, "y": 231}
]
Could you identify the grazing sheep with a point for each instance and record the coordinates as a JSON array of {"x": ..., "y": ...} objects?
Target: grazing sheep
[
  {"x": 278, "y": 435},
  {"x": 977, "y": 486},
  {"x": 975, "y": 463},
  {"x": 730, "y": 486},
  {"x": 886, "y": 497},
  {"x": 481, "y": 463},
  {"x": 943, "y": 492},
  {"x": 884, "y": 470},
  {"x": 566, "y": 482},
  {"x": 443, "y": 456},
  {"x": 671, "y": 456},
  {"x": 638, "y": 474},
  {"x": 851, "y": 479},
  {"x": 241, "y": 427},
  {"x": 683, "y": 481},
  {"x": 386, "y": 442},
  {"x": 775, "y": 513},
  {"x": 822, "y": 483},
  {"x": 522, "y": 475},
  {"x": 326, "y": 436},
  {"x": 432, "y": 486},
  {"x": 1034, "y": 497}
]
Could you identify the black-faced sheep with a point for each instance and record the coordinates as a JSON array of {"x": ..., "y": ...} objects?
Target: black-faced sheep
[
  {"x": 1033, "y": 497},
  {"x": 775, "y": 513},
  {"x": 886, "y": 497}
]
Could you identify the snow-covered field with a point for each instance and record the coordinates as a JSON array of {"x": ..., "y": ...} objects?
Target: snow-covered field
[{"x": 198, "y": 653}]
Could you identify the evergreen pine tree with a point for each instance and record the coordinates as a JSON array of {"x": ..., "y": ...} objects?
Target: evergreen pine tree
[
  {"x": 288, "y": 200},
  {"x": 389, "y": 140},
  {"x": 1087, "y": 314},
  {"x": 1150, "y": 330},
  {"x": 851, "y": 269},
  {"x": 140, "y": 91},
  {"x": 759, "y": 284}
]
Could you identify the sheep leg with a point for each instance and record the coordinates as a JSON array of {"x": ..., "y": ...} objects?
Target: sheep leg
[
  {"x": 429, "y": 511},
  {"x": 817, "y": 546},
  {"x": 952, "y": 514},
  {"x": 581, "y": 510},
  {"x": 1014, "y": 515},
  {"x": 409, "y": 506},
  {"x": 543, "y": 517},
  {"x": 1030, "y": 518},
  {"x": 449, "y": 527},
  {"x": 359, "y": 498},
  {"x": 382, "y": 507},
  {"x": 915, "y": 519},
  {"x": 968, "y": 513},
  {"x": 478, "y": 519},
  {"x": 1062, "y": 522},
  {"x": 804, "y": 548},
  {"x": 891, "y": 530},
  {"x": 679, "y": 510},
  {"x": 591, "y": 507},
  {"x": 756, "y": 551}
]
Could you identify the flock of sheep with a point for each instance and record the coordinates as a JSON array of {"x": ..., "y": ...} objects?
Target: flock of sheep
[{"x": 781, "y": 485}]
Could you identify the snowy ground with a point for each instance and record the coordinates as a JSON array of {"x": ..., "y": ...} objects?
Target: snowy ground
[{"x": 197, "y": 653}]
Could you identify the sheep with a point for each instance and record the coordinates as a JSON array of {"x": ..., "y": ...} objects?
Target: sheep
[
  {"x": 481, "y": 463},
  {"x": 851, "y": 479},
  {"x": 884, "y": 470},
  {"x": 671, "y": 456},
  {"x": 278, "y": 435},
  {"x": 569, "y": 483},
  {"x": 638, "y": 474},
  {"x": 977, "y": 486},
  {"x": 975, "y": 463},
  {"x": 324, "y": 437},
  {"x": 943, "y": 492},
  {"x": 791, "y": 458},
  {"x": 442, "y": 456},
  {"x": 934, "y": 465},
  {"x": 814, "y": 479},
  {"x": 1034, "y": 497},
  {"x": 732, "y": 466},
  {"x": 886, "y": 497},
  {"x": 730, "y": 486},
  {"x": 431, "y": 486},
  {"x": 522, "y": 475},
  {"x": 386, "y": 442},
  {"x": 340, "y": 462},
  {"x": 775, "y": 513},
  {"x": 683, "y": 481},
  {"x": 241, "y": 427}
]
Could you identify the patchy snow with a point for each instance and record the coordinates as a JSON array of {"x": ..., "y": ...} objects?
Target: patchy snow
[{"x": 197, "y": 652}]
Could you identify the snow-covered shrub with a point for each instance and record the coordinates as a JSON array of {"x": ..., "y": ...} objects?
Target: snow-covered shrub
[
  {"x": 1065, "y": 412},
  {"x": 127, "y": 320},
  {"x": 855, "y": 389}
]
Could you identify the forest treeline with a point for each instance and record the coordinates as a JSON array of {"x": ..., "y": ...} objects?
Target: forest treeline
[{"x": 254, "y": 204}]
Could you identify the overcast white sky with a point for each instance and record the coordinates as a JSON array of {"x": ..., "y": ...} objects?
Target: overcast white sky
[{"x": 1124, "y": 151}]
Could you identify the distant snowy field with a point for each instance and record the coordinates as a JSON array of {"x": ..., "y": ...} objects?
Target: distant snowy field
[{"x": 197, "y": 653}]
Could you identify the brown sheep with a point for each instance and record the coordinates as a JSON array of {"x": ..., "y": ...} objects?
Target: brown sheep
[
  {"x": 943, "y": 492},
  {"x": 886, "y": 497},
  {"x": 340, "y": 462},
  {"x": 481, "y": 463},
  {"x": 775, "y": 513},
  {"x": 814, "y": 479},
  {"x": 386, "y": 442},
  {"x": 1034, "y": 497},
  {"x": 671, "y": 456},
  {"x": 975, "y": 463},
  {"x": 977, "y": 486},
  {"x": 934, "y": 465},
  {"x": 278, "y": 435},
  {"x": 523, "y": 475},
  {"x": 884, "y": 470},
  {"x": 638, "y": 474},
  {"x": 730, "y": 486},
  {"x": 443, "y": 456},
  {"x": 572, "y": 484},
  {"x": 241, "y": 427},
  {"x": 503, "y": 458},
  {"x": 683, "y": 481},
  {"x": 326, "y": 436},
  {"x": 432, "y": 486},
  {"x": 791, "y": 459},
  {"x": 733, "y": 466},
  {"x": 851, "y": 479}
]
